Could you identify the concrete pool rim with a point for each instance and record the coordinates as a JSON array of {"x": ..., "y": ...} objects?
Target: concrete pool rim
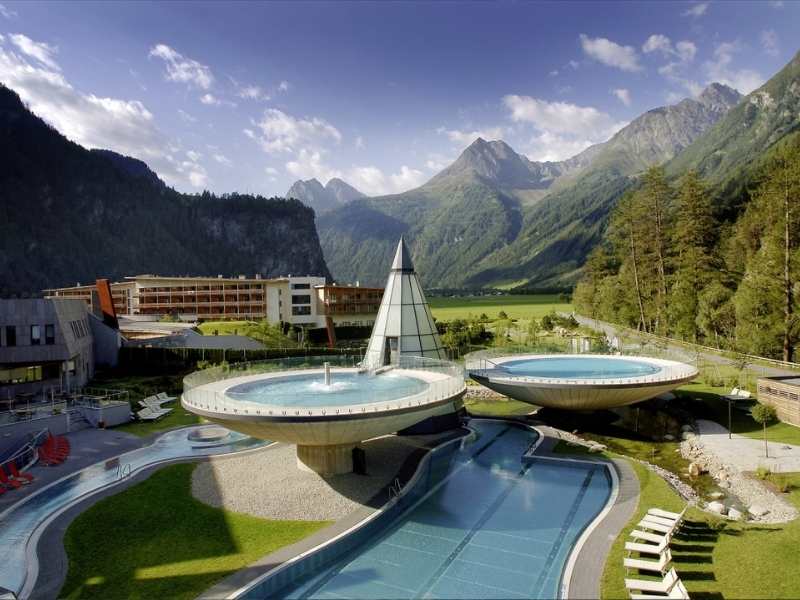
[
  {"x": 566, "y": 575},
  {"x": 32, "y": 542}
]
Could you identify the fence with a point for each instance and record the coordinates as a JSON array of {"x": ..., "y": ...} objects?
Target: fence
[
  {"x": 443, "y": 380},
  {"x": 27, "y": 454},
  {"x": 168, "y": 360}
]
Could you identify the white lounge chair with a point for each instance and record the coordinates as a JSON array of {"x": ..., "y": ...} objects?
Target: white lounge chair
[
  {"x": 658, "y": 566},
  {"x": 147, "y": 414},
  {"x": 649, "y": 536},
  {"x": 649, "y": 524},
  {"x": 658, "y": 587},
  {"x": 737, "y": 394},
  {"x": 665, "y": 514},
  {"x": 164, "y": 398},
  {"x": 656, "y": 549},
  {"x": 678, "y": 592}
]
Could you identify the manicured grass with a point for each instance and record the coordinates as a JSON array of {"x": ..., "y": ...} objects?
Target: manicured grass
[
  {"x": 267, "y": 334},
  {"x": 155, "y": 540},
  {"x": 709, "y": 404},
  {"x": 142, "y": 386},
  {"x": 498, "y": 408},
  {"x": 716, "y": 558},
  {"x": 515, "y": 306}
]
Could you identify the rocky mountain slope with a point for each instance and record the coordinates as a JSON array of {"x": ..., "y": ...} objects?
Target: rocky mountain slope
[
  {"x": 68, "y": 214},
  {"x": 494, "y": 217},
  {"x": 323, "y": 199}
]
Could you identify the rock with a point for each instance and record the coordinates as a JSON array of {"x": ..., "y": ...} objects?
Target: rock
[
  {"x": 669, "y": 438},
  {"x": 694, "y": 469},
  {"x": 757, "y": 510},
  {"x": 716, "y": 495},
  {"x": 597, "y": 448},
  {"x": 735, "y": 514},
  {"x": 687, "y": 435},
  {"x": 717, "y": 507}
]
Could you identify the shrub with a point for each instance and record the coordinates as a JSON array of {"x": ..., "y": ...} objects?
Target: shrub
[{"x": 763, "y": 473}]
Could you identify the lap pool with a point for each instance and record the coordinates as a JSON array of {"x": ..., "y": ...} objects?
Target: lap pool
[{"x": 490, "y": 523}]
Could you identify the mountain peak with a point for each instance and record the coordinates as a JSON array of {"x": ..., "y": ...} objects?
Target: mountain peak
[
  {"x": 323, "y": 199},
  {"x": 719, "y": 96}
]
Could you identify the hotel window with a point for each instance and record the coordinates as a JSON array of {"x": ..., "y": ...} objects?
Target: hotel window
[
  {"x": 49, "y": 335},
  {"x": 11, "y": 335},
  {"x": 36, "y": 335},
  {"x": 301, "y": 299},
  {"x": 301, "y": 310},
  {"x": 301, "y": 286}
]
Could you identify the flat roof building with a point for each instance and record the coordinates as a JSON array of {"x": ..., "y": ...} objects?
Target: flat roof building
[{"x": 783, "y": 394}]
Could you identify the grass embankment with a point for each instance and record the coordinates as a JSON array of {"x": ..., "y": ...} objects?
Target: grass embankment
[
  {"x": 714, "y": 407},
  {"x": 142, "y": 386},
  {"x": 268, "y": 334},
  {"x": 518, "y": 306},
  {"x": 498, "y": 408},
  {"x": 155, "y": 540}
]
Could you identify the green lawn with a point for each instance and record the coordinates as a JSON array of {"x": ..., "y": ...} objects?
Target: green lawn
[
  {"x": 709, "y": 404},
  {"x": 179, "y": 417},
  {"x": 498, "y": 408},
  {"x": 155, "y": 540},
  {"x": 268, "y": 334},
  {"x": 515, "y": 306},
  {"x": 714, "y": 558}
]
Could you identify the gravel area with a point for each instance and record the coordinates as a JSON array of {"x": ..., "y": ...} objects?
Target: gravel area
[{"x": 268, "y": 484}]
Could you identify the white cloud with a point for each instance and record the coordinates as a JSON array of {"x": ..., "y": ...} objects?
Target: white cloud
[
  {"x": 559, "y": 117},
  {"x": 680, "y": 56},
  {"x": 183, "y": 69},
  {"x": 249, "y": 133},
  {"x": 124, "y": 126},
  {"x": 271, "y": 171},
  {"x": 283, "y": 86},
  {"x": 223, "y": 160},
  {"x": 308, "y": 164},
  {"x": 186, "y": 117},
  {"x": 465, "y": 138},
  {"x": 549, "y": 146},
  {"x": 437, "y": 162},
  {"x": 281, "y": 132},
  {"x": 770, "y": 43},
  {"x": 720, "y": 69},
  {"x": 623, "y": 95},
  {"x": 7, "y": 12},
  {"x": 209, "y": 99},
  {"x": 610, "y": 53},
  {"x": 193, "y": 155},
  {"x": 373, "y": 182},
  {"x": 252, "y": 92},
  {"x": 407, "y": 179},
  {"x": 657, "y": 43},
  {"x": 683, "y": 50},
  {"x": 36, "y": 50},
  {"x": 359, "y": 143},
  {"x": 698, "y": 10}
]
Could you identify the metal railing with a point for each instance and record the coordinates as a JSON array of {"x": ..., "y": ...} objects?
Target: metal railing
[
  {"x": 442, "y": 380},
  {"x": 485, "y": 364},
  {"x": 27, "y": 454}
]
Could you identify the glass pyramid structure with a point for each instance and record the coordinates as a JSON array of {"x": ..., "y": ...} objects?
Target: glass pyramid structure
[{"x": 404, "y": 325}]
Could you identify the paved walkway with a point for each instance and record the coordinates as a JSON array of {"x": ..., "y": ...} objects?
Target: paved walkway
[{"x": 747, "y": 454}]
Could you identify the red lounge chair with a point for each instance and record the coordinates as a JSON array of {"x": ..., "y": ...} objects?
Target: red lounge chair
[
  {"x": 8, "y": 482},
  {"x": 17, "y": 474},
  {"x": 2, "y": 490},
  {"x": 48, "y": 459}
]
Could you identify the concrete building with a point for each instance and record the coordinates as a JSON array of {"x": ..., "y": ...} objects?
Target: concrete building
[
  {"x": 304, "y": 301},
  {"x": 45, "y": 343},
  {"x": 783, "y": 394}
]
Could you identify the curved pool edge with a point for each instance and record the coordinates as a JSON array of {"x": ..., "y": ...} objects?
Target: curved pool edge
[{"x": 32, "y": 563}]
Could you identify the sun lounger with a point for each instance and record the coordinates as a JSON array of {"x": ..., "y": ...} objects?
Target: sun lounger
[
  {"x": 17, "y": 474},
  {"x": 147, "y": 414},
  {"x": 656, "y": 549},
  {"x": 649, "y": 536},
  {"x": 658, "y": 566},
  {"x": 665, "y": 514},
  {"x": 662, "y": 520},
  {"x": 164, "y": 398},
  {"x": 737, "y": 394},
  {"x": 678, "y": 592},
  {"x": 659, "y": 587},
  {"x": 649, "y": 524},
  {"x": 8, "y": 481}
]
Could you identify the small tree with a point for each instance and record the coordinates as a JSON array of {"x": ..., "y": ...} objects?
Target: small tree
[
  {"x": 502, "y": 315},
  {"x": 763, "y": 414}
]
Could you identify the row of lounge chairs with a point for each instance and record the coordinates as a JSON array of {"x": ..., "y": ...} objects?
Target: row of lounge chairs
[
  {"x": 152, "y": 409},
  {"x": 54, "y": 451},
  {"x": 650, "y": 541},
  {"x": 14, "y": 478}
]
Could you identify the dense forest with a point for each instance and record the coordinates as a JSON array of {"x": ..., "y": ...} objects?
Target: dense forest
[{"x": 674, "y": 262}]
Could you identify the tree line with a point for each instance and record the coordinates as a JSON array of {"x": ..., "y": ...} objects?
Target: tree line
[{"x": 669, "y": 265}]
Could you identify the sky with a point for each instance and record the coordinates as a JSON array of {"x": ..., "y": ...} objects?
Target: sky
[{"x": 249, "y": 97}]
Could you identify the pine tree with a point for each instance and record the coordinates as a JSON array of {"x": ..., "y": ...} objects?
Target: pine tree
[
  {"x": 693, "y": 240},
  {"x": 656, "y": 195}
]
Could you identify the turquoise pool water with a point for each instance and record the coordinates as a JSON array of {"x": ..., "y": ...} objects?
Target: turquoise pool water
[
  {"x": 583, "y": 367},
  {"x": 489, "y": 524},
  {"x": 20, "y": 521},
  {"x": 345, "y": 389}
]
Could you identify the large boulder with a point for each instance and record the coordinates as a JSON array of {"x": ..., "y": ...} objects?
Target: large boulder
[{"x": 717, "y": 507}]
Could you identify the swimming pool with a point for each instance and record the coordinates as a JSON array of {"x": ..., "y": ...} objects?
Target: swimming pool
[
  {"x": 580, "y": 367},
  {"x": 493, "y": 524},
  {"x": 22, "y": 522},
  {"x": 310, "y": 390}
]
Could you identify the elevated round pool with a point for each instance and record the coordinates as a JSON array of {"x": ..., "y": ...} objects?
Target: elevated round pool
[
  {"x": 325, "y": 410},
  {"x": 579, "y": 381}
]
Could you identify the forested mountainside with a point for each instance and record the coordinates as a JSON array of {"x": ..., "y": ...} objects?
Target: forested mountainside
[
  {"x": 710, "y": 249},
  {"x": 68, "y": 214},
  {"x": 496, "y": 218}
]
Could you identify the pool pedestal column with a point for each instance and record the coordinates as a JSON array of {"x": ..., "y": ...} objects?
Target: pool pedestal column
[{"x": 326, "y": 460}]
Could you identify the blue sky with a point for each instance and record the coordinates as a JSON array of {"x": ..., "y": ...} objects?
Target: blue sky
[{"x": 250, "y": 97}]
